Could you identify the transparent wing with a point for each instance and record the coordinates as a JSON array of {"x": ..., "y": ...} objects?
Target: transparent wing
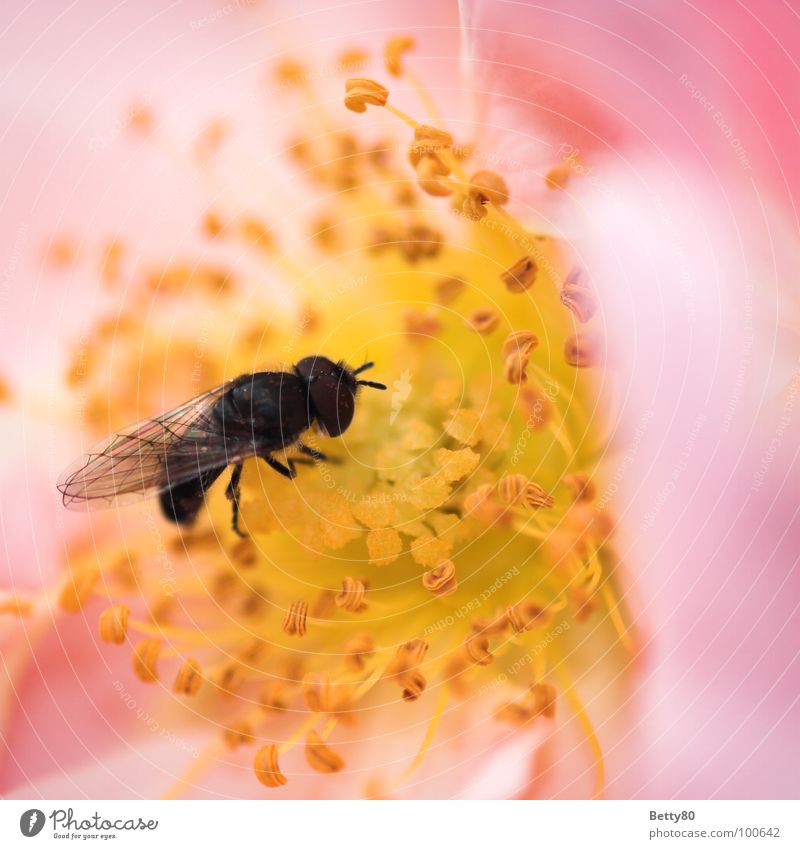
[{"x": 151, "y": 456}]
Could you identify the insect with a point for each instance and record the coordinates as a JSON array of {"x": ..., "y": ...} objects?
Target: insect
[{"x": 181, "y": 453}]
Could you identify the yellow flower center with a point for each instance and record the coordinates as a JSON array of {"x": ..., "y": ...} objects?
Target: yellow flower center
[{"x": 452, "y": 547}]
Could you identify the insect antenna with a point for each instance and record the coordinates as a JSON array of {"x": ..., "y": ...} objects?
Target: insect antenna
[
  {"x": 371, "y": 383},
  {"x": 363, "y": 368}
]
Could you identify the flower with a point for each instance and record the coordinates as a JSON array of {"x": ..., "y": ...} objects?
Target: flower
[{"x": 416, "y": 618}]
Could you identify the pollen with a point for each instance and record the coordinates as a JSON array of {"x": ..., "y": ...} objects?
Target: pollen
[
  {"x": 384, "y": 546},
  {"x": 464, "y": 426},
  {"x": 450, "y": 550}
]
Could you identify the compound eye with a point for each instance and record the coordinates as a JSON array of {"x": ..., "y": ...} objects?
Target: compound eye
[{"x": 333, "y": 402}]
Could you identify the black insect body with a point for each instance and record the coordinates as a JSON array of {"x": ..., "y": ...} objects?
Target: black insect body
[{"x": 180, "y": 454}]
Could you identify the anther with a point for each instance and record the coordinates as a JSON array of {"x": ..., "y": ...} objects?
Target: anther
[
  {"x": 477, "y": 649},
  {"x": 363, "y": 92},
  {"x": 430, "y": 170},
  {"x": 296, "y": 617},
  {"x": 395, "y": 48},
  {"x": 78, "y": 588},
  {"x": 265, "y": 764},
  {"x": 189, "y": 678},
  {"x": 483, "y": 320},
  {"x": 413, "y": 684},
  {"x": 231, "y": 678},
  {"x": 321, "y": 757},
  {"x": 580, "y": 485},
  {"x": 537, "y": 496},
  {"x": 488, "y": 187},
  {"x": 114, "y": 623},
  {"x": 441, "y": 580},
  {"x": 238, "y": 733},
  {"x": 511, "y": 488},
  {"x": 544, "y": 700},
  {"x": 272, "y": 695},
  {"x": 358, "y": 649},
  {"x": 521, "y": 275},
  {"x": 577, "y": 298},
  {"x": 145, "y": 656},
  {"x": 351, "y": 596},
  {"x": 519, "y": 342},
  {"x": 582, "y": 350},
  {"x": 448, "y": 289},
  {"x": 515, "y": 368},
  {"x": 317, "y": 693},
  {"x": 525, "y": 614}
]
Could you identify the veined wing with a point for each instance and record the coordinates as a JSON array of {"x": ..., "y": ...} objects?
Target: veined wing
[{"x": 153, "y": 455}]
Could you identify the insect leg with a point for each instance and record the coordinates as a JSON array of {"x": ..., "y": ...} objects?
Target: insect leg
[
  {"x": 182, "y": 502},
  {"x": 232, "y": 494},
  {"x": 312, "y": 452},
  {"x": 288, "y": 471}
]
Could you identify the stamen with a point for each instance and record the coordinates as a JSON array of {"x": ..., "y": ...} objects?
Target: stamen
[
  {"x": 78, "y": 588},
  {"x": 488, "y": 187},
  {"x": 477, "y": 649},
  {"x": 265, "y": 764},
  {"x": 317, "y": 693},
  {"x": 359, "y": 649},
  {"x": 515, "y": 368},
  {"x": 430, "y": 170},
  {"x": 577, "y": 298},
  {"x": 296, "y": 617},
  {"x": 483, "y": 320},
  {"x": 363, "y": 92},
  {"x": 448, "y": 289},
  {"x": 413, "y": 684},
  {"x": 581, "y": 486},
  {"x": 395, "y": 48},
  {"x": 588, "y": 730},
  {"x": 441, "y": 580},
  {"x": 511, "y": 488},
  {"x": 544, "y": 700},
  {"x": 189, "y": 678},
  {"x": 536, "y": 496},
  {"x": 13, "y": 604},
  {"x": 519, "y": 342},
  {"x": 238, "y": 733},
  {"x": 321, "y": 757},
  {"x": 583, "y": 350},
  {"x": 145, "y": 656},
  {"x": 526, "y": 614},
  {"x": 351, "y": 596},
  {"x": 521, "y": 275},
  {"x": 114, "y": 623}
]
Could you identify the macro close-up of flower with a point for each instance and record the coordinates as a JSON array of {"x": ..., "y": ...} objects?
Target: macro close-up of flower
[{"x": 535, "y": 536}]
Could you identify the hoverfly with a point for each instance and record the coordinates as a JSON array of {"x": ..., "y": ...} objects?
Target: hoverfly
[{"x": 178, "y": 455}]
